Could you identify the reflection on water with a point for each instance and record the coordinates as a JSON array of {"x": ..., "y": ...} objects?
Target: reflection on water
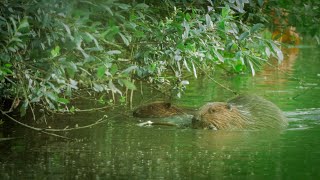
[{"x": 119, "y": 149}]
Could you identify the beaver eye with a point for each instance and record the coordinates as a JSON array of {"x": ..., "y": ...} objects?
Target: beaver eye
[
  {"x": 229, "y": 107},
  {"x": 211, "y": 110}
]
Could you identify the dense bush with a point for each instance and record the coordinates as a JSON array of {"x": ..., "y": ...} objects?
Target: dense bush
[{"x": 51, "y": 48}]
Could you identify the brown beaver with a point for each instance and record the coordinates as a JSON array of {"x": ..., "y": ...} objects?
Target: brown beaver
[
  {"x": 157, "y": 109},
  {"x": 243, "y": 112}
]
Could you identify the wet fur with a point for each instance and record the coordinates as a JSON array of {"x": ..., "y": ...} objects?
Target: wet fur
[
  {"x": 242, "y": 112},
  {"x": 157, "y": 109}
]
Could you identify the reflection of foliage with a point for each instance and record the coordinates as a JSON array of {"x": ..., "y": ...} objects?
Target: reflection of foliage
[
  {"x": 301, "y": 14},
  {"x": 51, "y": 48}
]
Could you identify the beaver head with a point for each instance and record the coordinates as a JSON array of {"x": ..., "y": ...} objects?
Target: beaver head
[
  {"x": 156, "y": 109},
  {"x": 217, "y": 116}
]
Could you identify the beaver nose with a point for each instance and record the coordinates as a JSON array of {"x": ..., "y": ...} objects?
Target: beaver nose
[
  {"x": 195, "y": 119},
  {"x": 135, "y": 113}
]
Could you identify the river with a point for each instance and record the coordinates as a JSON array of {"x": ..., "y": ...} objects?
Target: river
[{"x": 119, "y": 149}]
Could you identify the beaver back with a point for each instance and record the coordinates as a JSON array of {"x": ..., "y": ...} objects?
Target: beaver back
[
  {"x": 242, "y": 112},
  {"x": 156, "y": 109}
]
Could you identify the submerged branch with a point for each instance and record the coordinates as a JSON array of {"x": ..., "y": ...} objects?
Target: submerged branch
[
  {"x": 99, "y": 121},
  {"x": 49, "y": 131},
  {"x": 221, "y": 85},
  {"x": 7, "y": 139}
]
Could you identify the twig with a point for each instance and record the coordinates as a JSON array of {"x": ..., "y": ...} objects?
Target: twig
[
  {"x": 215, "y": 81},
  {"x": 56, "y": 135},
  {"x": 303, "y": 92},
  {"x": 18, "y": 122},
  {"x": 7, "y": 139},
  {"x": 92, "y": 109},
  {"x": 99, "y": 121},
  {"x": 131, "y": 96},
  {"x": 34, "y": 128},
  {"x": 48, "y": 131},
  {"x": 234, "y": 92}
]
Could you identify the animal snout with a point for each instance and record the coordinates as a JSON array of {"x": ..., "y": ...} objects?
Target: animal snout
[
  {"x": 195, "y": 119},
  {"x": 135, "y": 113}
]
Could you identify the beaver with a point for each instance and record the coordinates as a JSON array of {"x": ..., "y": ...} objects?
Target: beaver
[
  {"x": 243, "y": 112},
  {"x": 158, "y": 109}
]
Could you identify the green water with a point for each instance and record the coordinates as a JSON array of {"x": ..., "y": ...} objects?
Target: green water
[{"x": 119, "y": 149}]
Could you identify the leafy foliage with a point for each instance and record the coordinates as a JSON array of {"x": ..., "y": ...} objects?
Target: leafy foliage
[
  {"x": 302, "y": 15},
  {"x": 52, "y": 48}
]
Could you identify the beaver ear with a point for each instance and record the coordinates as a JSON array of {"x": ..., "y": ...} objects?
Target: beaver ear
[
  {"x": 168, "y": 105},
  {"x": 229, "y": 107},
  {"x": 211, "y": 110}
]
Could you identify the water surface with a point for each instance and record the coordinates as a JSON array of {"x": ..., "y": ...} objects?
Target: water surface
[{"x": 119, "y": 149}]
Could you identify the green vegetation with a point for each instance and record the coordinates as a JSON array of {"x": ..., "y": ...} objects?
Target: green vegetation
[
  {"x": 51, "y": 50},
  {"x": 304, "y": 15}
]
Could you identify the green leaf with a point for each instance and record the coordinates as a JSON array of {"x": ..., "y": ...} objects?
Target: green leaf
[
  {"x": 243, "y": 36},
  {"x": 68, "y": 31},
  {"x": 110, "y": 32},
  {"x": 124, "y": 39},
  {"x": 16, "y": 39},
  {"x": 101, "y": 99},
  {"x": 252, "y": 68},
  {"x": 23, "y": 24},
  {"x": 73, "y": 84},
  {"x": 112, "y": 52},
  {"x": 225, "y": 11},
  {"x": 123, "y": 6},
  {"x": 8, "y": 65},
  {"x": 129, "y": 69},
  {"x": 277, "y": 51},
  {"x": 35, "y": 99},
  {"x": 5, "y": 71},
  {"x": 221, "y": 26},
  {"x": 101, "y": 71},
  {"x": 267, "y": 51},
  {"x": 184, "y": 82},
  {"x": 98, "y": 87},
  {"x": 55, "y": 52},
  {"x": 113, "y": 69},
  {"x": 72, "y": 109},
  {"x": 152, "y": 67},
  {"x": 267, "y": 34},
  {"x": 52, "y": 96},
  {"x": 90, "y": 36},
  {"x": 63, "y": 100},
  {"x": 187, "y": 29},
  {"x": 12, "y": 49},
  {"x": 209, "y": 22},
  {"x": 218, "y": 55},
  {"x": 260, "y": 2},
  {"x": 113, "y": 88},
  {"x": 109, "y": 10},
  {"x": 194, "y": 70},
  {"x": 23, "y": 108},
  {"x": 256, "y": 27},
  {"x": 71, "y": 69},
  {"x": 187, "y": 17},
  {"x": 128, "y": 84},
  {"x": 186, "y": 65},
  {"x": 238, "y": 67},
  {"x": 142, "y": 6},
  {"x": 14, "y": 24}
]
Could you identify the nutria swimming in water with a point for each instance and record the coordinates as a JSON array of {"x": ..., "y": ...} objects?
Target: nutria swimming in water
[
  {"x": 243, "y": 112},
  {"x": 157, "y": 109}
]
